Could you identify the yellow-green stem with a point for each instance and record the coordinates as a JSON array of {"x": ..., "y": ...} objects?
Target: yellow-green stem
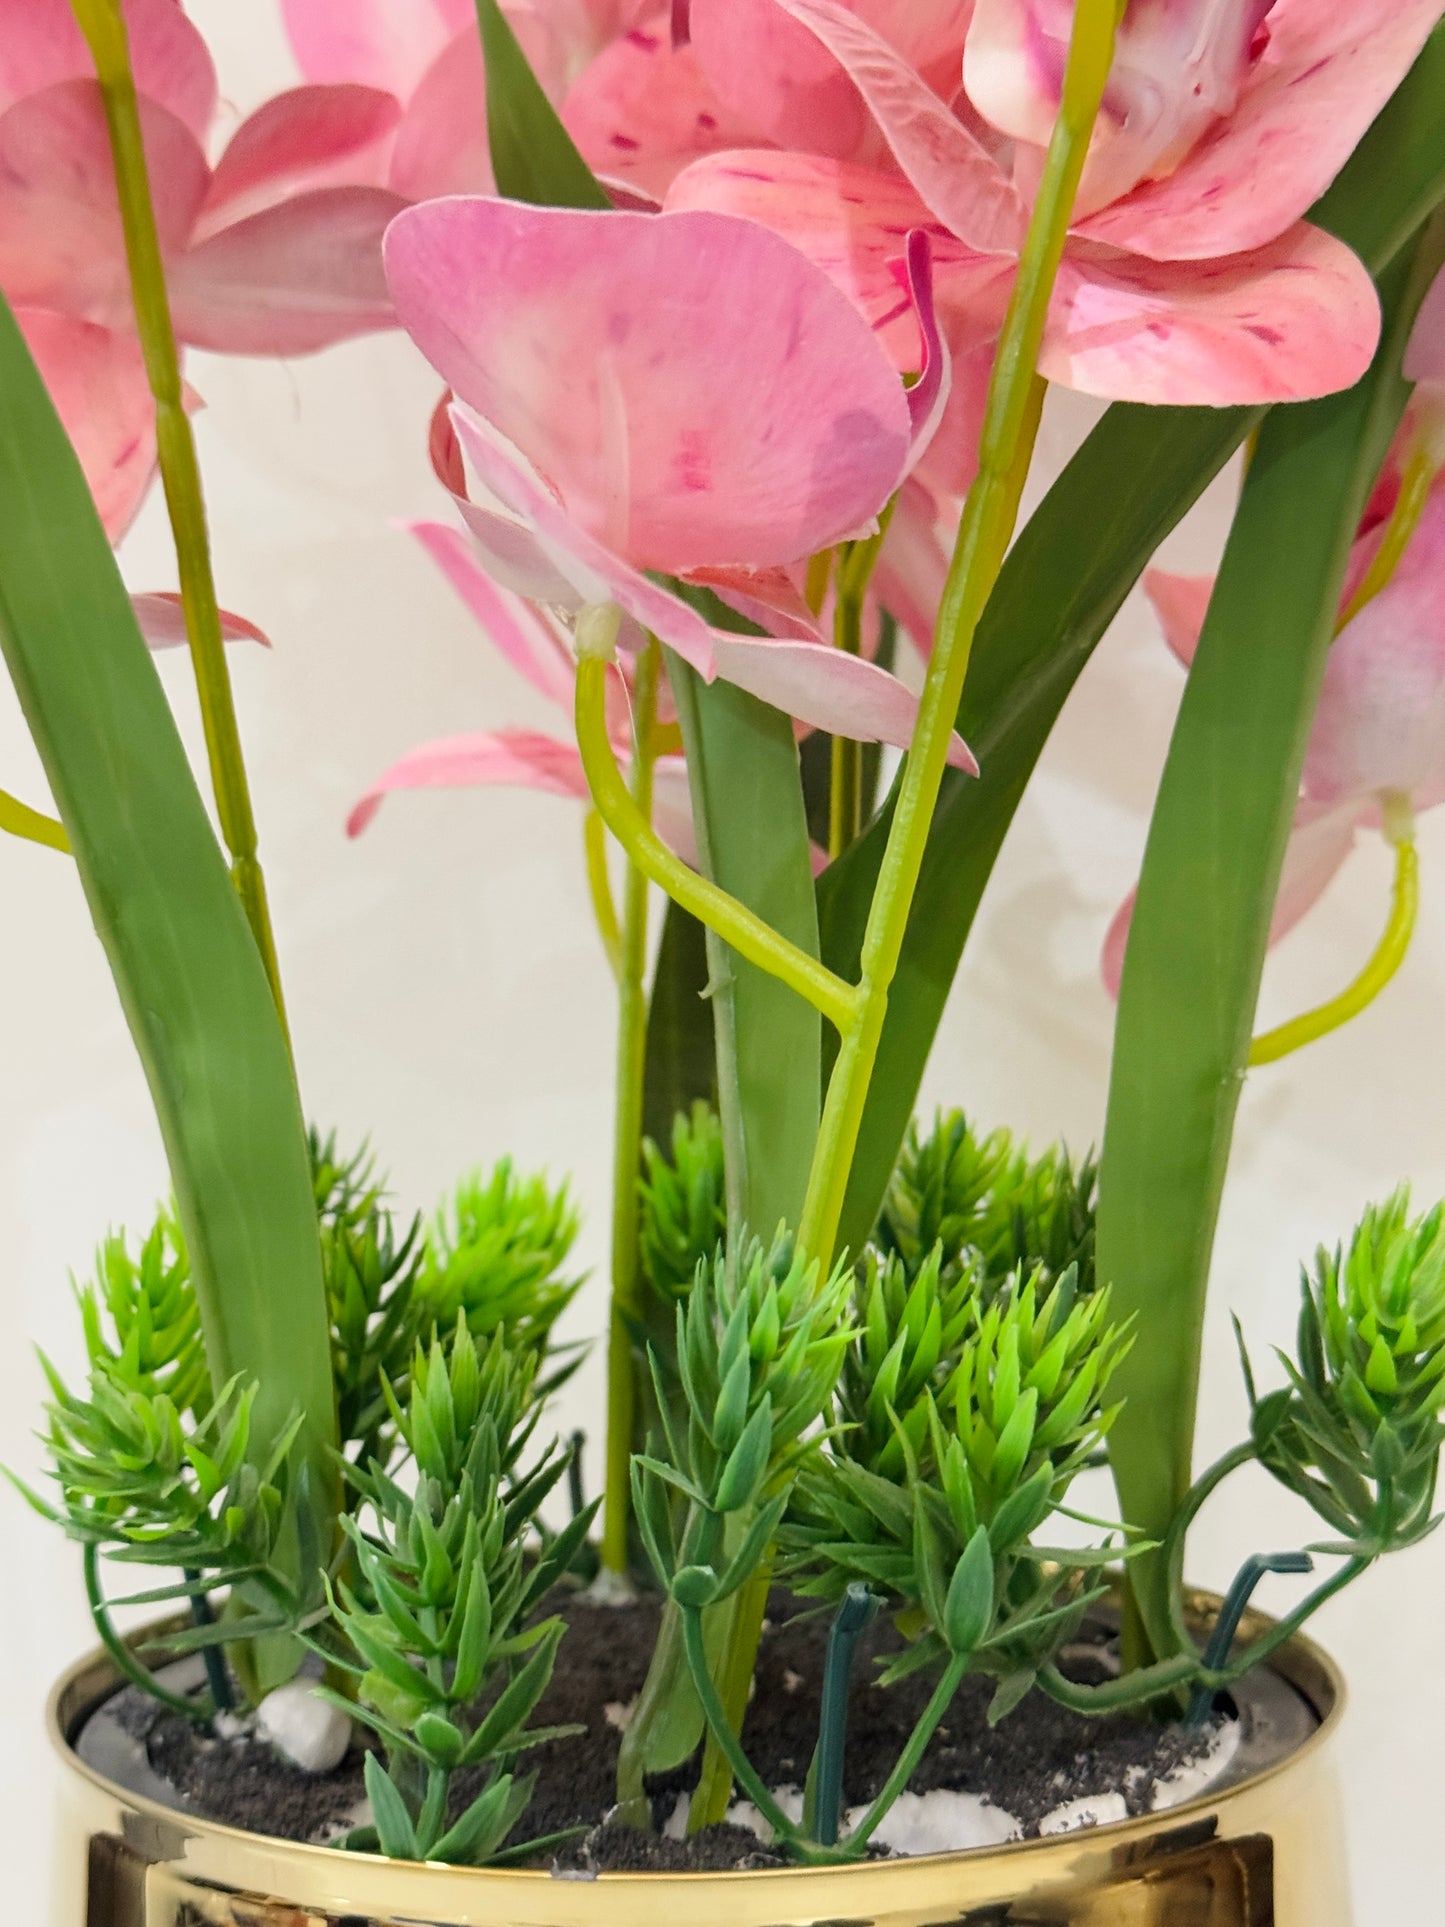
[
  {"x": 1015, "y": 400},
  {"x": 1415, "y": 486},
  {"x": 855, "y": 564},
  {"x": 1389, "y": 955},
  {"x": 18, "y": 819},
  {"x": 627, "y": 1150},
  {"x": 103, "y": 25},
  {"x": 733, "y": 921},
  {"x": 594, "y": 837},
  {"x": 710, "y": 1799}
]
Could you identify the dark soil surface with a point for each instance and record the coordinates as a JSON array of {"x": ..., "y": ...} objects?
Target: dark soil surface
[{"x": 1039, "y": 1757}]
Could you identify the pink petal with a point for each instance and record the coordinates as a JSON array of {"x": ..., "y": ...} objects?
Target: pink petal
[
  {"x": 61, "y": 245},
  {"x": 521, "y": 632},
  {"x": 380, "y": 43},
  {"x": 642, "y": 110},
  {"x": 681, "y": 429},
  {"x": 307, "y": 138},
  {"x": 954, "y": 174},
  {"x": 1181, "y": 603},
  {"x": 1179, "y": 66},
  {"x": 768, "y": 597},
  {"x": 672, "y": 807},
  {"x": 1295, "y": 319},
  {"x": 828, "y": 689},
  {"x": 97, "y": 382},
  {"x": 1380, "y": 724},
  {"x": 774, "y": 76},
  {"x": 913, "y": 565},
  {"x": 162, "y": 620},
  {"x": 41, "y": 45},
  {"x": 1425, "y": 356},
  {"x": 1322, "y": 837},
  {"x": 1328, "y": 69},
  {"x": 928, "y": 397},
  {"x": 291, "y": 280},
  {"x": 442, "y": 147},
  {"x": 508, "y": 758}
]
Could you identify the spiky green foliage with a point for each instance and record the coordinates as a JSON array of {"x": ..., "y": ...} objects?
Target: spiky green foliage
[
  {"x": 1357, "y": 1433},
  {"x": 683, "y": 1208},
  {"x": 141, "y": 1319},
  {"x": 760, "y": 1341},
  {"x": 911, "y": 1328},
  {"x": 495, "y": 1255},
  {"x": 983, "y": 1460},
  {"x": 436, "y": 1625},
  {"x": 371, "y": 1275},
  {"x": 984, "y": 1199}
]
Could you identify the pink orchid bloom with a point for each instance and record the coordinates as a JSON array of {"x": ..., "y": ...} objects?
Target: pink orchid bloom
[
  {"x": 1189, "y": 276},
  {"x": 533, "y": 642},
  {"x": 275, "y": 250},
  {"x": 625, "y": 424},
  {"x": 1379, "y": 730}
]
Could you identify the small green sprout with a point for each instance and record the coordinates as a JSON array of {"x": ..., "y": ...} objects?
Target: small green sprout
[
  {"x": 495, "y": 1254},
  {"x": 683, "y": 1213}
]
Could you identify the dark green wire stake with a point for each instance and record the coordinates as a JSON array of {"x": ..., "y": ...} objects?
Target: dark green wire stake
[
  {"x": 1221, "y": 1640},
  {"x": 575, "y": 1494},
  {"x": 215, "y": 1664},
  {"x": 859, "y": 1607}
]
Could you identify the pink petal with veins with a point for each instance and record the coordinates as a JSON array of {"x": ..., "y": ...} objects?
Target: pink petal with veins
[
  {"x": 512, "y": 758},
  {"x": 41, "y": 45},
  {"x": 442, "y": 146},
  {"x": 641, "y": 111},
  {"x": 162, "y": 620},
  {"x": 306, "y": 138},
  {"x": 1327, "y": 70},
  {"x": 97, "y": 381},
  {"x": 1295, "y": 319},
  {"x": 518, "y": 630},
  {"x": 291, "y": 280},
  {"x": 953, "y": 173},
  {"x": 681, "y": 430},
  {"x": 380, "y": 43},
  {"x": 61, "y": 244},
  {"x": 776, "y": 77}
]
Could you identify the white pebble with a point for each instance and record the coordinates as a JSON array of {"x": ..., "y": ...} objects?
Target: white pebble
[
  {"x": 1089, "y": 1810},
  {"x": 941, "y": 1822},
  {"x": 1187, "y": 1782},
  {"x": 310, "y": 1733}
]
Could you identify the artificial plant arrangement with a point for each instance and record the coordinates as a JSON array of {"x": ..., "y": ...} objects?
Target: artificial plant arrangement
[{"x": 746, "y": 314}]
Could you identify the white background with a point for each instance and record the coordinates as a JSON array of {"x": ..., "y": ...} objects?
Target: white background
[{"x": 448, "y": 997}]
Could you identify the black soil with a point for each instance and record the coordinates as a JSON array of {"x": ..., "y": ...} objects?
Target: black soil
[{"x": 1039, "y": 1757}]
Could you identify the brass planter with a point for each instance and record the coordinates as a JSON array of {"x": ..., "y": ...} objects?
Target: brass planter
[{"x": 1268, "y": 1852}]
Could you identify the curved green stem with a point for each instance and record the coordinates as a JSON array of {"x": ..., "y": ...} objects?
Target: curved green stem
[
  {"x": 1415, "y": 485},
  {"x": 733, "y": 922},
  {"x": 125, "y": 1661},
  {"x": 103, "y": 25},
  {"x": 709, "y": 1803},
  {"x": 1130, "y": 1689},
  {"x": 1203, "y": 1487},
  {"x": 594, "y": 838},
  {"x": 627, "y": 1148},
  {"x": 18, "y": 819},
  {"x": 1389, "y": 954},
  {"x": 718, "y": 1726},
  {"x": 908, "y": 1759},
  {"x": 1011, "y": 416}
]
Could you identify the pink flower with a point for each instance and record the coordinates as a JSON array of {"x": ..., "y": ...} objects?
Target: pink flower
[
  {"x": 667, "y": 396},
  {"x": 1379, "y": 729},
  {"x": 275, "y": 250},
  {"x": 1190, "y": 276}
]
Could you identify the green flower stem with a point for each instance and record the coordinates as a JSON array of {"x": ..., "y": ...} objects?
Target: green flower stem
[
  {"x": 712, "y": 1706},
  {"x": 908, "y": 1760},
  {"x": 856, "y": 563},
  {"x": 627, "y": 1148},
  {"x": 709, "y": 1803},
  {"x": 1010, "y": 425},
  {"x": 1139, "y": 1688},
  {"x": 103, "y": 25},
  {"x": 125, "y": 1661},
  {"x": 18, "y": 819},
  {"x": 733, "y": 922},
  {"x": 1388, "y": 956},
  {"x": 594, "y": 837}
]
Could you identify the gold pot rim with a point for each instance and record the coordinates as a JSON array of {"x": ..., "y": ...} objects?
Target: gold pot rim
[{"x": 1303, "y": 1664}]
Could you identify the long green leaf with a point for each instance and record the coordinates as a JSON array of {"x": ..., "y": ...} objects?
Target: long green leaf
[
  {"x": 534, "y": 158},
  {"x": 1064, "y": 581},
  {"x": 681, "y": 1064},
  {"x": 185, "y": 964},
  {"x": 752, "y": 835},
  {"x": 1206, "y": 896}
]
